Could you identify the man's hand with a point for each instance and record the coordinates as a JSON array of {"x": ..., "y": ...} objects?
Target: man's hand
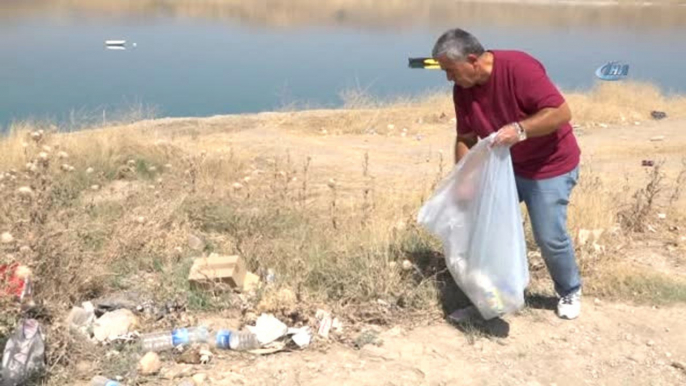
[{"x": 508, "y": 135}]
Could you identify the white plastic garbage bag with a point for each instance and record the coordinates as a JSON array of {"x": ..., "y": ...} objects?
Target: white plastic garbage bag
[
  {"x": 24, "y": 354},
  {"x": 475, "y": 212}
]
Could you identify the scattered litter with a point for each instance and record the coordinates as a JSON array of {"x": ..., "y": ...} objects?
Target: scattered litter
[
  {"x": 238, "y": 340},
  {"x": 603, "y": 125},
  {"x": 325, "y": 323},
  {"x": 99, "y": 380},
  {"x": 24, "y": 353},
  {"x": 150, "y": 364},
  {"x": 205, "y": 355},
  {"x": 129, "y": 300},
  {"x": 270, "y": 276},
  {"x": 114, "y": 324},
  {"x": 166, "y": 340},
  {"x": 301, "y": 336},
  {"x": 647, "y": 163},
  {"x": 81, "y": 318},
  {"x": 337, "y": 326},
  {"x": 268, "y": 329},
  {"x": 16, "y": 281},
  {"x": 661, "y": 216},
  {"x": 658, "y": 114},
  {"x": 250, "y": 282},
  {"x": 215, "y": 268},
  {"x": 657, "y": 138},
  {"x": 391, "y": 126}
]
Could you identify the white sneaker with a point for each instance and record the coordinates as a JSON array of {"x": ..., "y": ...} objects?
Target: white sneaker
[{"x": 569, "y": 307}]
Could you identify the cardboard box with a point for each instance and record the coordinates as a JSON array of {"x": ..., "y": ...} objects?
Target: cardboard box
[{"x": 218, "y": 269}]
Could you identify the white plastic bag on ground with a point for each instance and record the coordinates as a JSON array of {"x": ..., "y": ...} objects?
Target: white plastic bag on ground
[
  {"x": 475, "y": 212},
  {"x": 24, "y": 354}
]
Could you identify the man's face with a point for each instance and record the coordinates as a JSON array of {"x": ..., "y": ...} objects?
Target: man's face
[{"x": 463, "y": 72}]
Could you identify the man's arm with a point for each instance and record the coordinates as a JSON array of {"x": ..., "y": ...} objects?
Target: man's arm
[
  {"x": 546, "y": 121},
  {"x": 462, "y": 145}
]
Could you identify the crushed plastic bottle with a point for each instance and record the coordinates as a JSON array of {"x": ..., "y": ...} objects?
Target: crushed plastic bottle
[
  {"x": 99, "y": 380},
  {"x": 161, "y": 341},
  {"x": 235, "y": 340}
]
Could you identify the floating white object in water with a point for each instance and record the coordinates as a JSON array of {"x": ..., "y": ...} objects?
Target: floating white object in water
[
  {"x": 115, "y": 42},
  {"x": 134, "y": 44}
]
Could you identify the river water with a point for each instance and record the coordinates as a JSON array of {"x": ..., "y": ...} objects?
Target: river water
[{"x": 230, "y": 57}]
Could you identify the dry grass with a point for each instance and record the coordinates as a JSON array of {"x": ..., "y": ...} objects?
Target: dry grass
[
  {"x": 623, "y": 102},
  {"x": 607, "y": 103},
  {"x": 341, "y": 244}
]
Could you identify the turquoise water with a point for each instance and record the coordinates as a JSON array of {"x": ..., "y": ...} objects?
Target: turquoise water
[{"x": 58, "y": 69}]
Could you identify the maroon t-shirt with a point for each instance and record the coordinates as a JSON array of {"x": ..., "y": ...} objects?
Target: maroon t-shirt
[{"x": 518, "y": 88}]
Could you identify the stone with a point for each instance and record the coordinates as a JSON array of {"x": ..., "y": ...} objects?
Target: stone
[
  {"x": 114, "y": 324},
  {"x": 6, "y": 238},
  {"x": 191, "y": 356},
  {"x": 150, "y": 364}
]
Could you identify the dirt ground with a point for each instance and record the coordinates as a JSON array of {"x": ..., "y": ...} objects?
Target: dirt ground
[{"x": 610, "y": 344}]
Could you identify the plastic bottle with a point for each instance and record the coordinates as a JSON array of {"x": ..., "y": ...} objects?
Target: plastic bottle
[
  {"x": 160, "y": 341},
  {"x": 99, "y": 380},
  {"x": 235, "y": 340}
]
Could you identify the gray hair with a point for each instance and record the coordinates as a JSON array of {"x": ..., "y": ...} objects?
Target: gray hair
[{"x": 457, "y": 44}]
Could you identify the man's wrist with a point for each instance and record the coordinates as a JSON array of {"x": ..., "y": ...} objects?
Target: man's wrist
[{"x": 520, "y": 131}]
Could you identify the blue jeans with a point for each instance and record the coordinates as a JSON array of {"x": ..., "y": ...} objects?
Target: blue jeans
[{"x": 546, "y": 201}]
